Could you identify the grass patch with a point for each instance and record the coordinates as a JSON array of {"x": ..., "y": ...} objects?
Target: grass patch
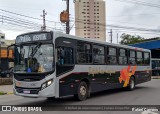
[{"x": 2, "y": 93}]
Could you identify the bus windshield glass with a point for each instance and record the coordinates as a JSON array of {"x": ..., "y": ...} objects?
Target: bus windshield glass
[{"x": 34, "y": 58}]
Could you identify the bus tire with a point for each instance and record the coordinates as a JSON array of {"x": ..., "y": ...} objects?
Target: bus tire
[
  {"x": 88, "y": 93},
  {"x": 131, "y": 85},
  {"x": 51, "y": 98},
  {"x": 82, "y": 91},
  {"x": 7, "y": 75}
]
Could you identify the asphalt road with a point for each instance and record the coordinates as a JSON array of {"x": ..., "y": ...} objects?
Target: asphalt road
[{"x": 144, "y": 94}]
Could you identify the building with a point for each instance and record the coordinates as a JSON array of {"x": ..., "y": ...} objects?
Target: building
[
  {"x": 90, "y": 19},
  {"x": 6, "y": 43},
  {"x": 2, "y": 36},
  {"x": 153, "y": 45},
  {"x": 5, "y": 62}
]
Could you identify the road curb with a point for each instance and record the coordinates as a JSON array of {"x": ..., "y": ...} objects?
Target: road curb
[
  {"x": 9, "y": 93},
  {"x": 155, "y": 77},
  {"x": 5, "y": 93}
]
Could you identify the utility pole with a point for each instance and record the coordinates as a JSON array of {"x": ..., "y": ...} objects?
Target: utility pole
[
  {"x": 117, "y": 38},
  {"x": 44, "y": 20},
  {"x": 111, "y": 34},
  {"x": 67, "y": 23}
]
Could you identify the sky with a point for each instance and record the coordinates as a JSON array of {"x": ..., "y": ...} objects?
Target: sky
[{"x": 117, "y": 13}]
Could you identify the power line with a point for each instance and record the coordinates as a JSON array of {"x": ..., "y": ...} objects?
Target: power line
[
  {"x": 110, "y": 25},
  {"x": 23, "y": 24},
  {"x": 116, "y": 16},
  {"x": 127, "y": 28},
  {"x": 27, "y": 21},
  {"x": 11, "y": 22},
  {"x": 140, "y": 3},
  {"x": 118, "y": 26},
  {"x": 121, "y": 22},
  {"x": 19, "y": 25},
  {"x": 22, "y": 20},
  {"x": 8, "y": 27},
  {"x": 20, "y": 14},
  {"x": 124, "y": 30},
  {"x": 127, "y": 31},
  {"x": 29, "y": 17},
  {"x": 111, "y": 21},
  {"x": 17, "y": 18},
  {"x": 25, "y": 15},
  {"x": 19, "y": 21},
  {"x": 137, "y": 32}
]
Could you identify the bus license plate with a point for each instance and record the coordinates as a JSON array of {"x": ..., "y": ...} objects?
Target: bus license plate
[{"x": 26, "y": 91}]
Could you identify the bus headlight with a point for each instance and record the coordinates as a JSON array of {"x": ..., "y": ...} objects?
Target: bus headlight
[{"x": 47, "y": 83}]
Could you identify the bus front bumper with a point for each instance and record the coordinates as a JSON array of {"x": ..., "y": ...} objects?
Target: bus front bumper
[{"x": 35, "y": 92}]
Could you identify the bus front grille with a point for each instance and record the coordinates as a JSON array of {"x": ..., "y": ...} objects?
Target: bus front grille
[
  {"x": 31, "y": 90},
  {"x": 29, "y": 77}
]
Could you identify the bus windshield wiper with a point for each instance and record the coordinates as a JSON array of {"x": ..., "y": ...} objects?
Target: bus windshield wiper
[{"x": 35, "y": 50}]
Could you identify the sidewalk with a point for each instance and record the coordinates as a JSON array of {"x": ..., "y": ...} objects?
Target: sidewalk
[
  {"x": 6, "y": 89},
  {"x": 155, "y": 77}
]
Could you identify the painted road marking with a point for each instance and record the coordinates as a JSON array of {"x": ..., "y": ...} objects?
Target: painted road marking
[{"x": 149, "y": 112}]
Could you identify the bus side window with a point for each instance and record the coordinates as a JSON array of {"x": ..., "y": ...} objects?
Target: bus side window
[
  {"x": 60, "y": 56},
  {"x": 64, "y": 56},
  {"x": 146, "y": 58},
  {"x": 139, "y": 58},
  {"x": 98, "y": 54},
  {"x": 122, "y": 56},
  {"x": 84, "y": 53},
  {"x": 132, "y": 57},
  {"x": 112, "y": 55}
]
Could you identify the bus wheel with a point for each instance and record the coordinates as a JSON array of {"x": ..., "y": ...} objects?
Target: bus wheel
[
  {"x": 51, "y": 98},
  {"x": 82, "y": 91},
  {"x": 131, "y": 85},
  {"x": 7, "y": 75}
]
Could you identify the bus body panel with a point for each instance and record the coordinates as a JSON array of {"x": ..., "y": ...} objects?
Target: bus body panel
[
  {"x": 100, "y": 77},
  {"x": 67, "y": 78}
]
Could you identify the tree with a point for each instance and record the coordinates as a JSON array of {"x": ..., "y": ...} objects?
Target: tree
[{"x": 130, "y": 39}]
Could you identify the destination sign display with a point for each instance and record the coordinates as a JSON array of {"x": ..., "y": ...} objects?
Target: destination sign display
[{"x": 33, "y": 37}]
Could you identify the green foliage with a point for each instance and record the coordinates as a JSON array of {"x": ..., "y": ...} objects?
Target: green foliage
[
  {"x": 2, "y": 93},
  {"x": 130, "y": 39}
]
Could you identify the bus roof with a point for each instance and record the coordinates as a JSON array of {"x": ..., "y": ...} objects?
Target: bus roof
[{"x": 60, "y": 34}]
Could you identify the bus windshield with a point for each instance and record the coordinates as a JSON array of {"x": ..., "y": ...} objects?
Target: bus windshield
[{"x": 34, "y": 58}]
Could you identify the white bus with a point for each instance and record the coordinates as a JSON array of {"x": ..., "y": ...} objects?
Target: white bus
[{"x": 54, "y": 64}]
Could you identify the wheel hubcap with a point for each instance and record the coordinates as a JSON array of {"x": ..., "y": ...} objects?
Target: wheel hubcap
[
  {"x": 7, "y": 75},
  {"x": 132, "y": 84},
  {"x": 83, "y": 90}
]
